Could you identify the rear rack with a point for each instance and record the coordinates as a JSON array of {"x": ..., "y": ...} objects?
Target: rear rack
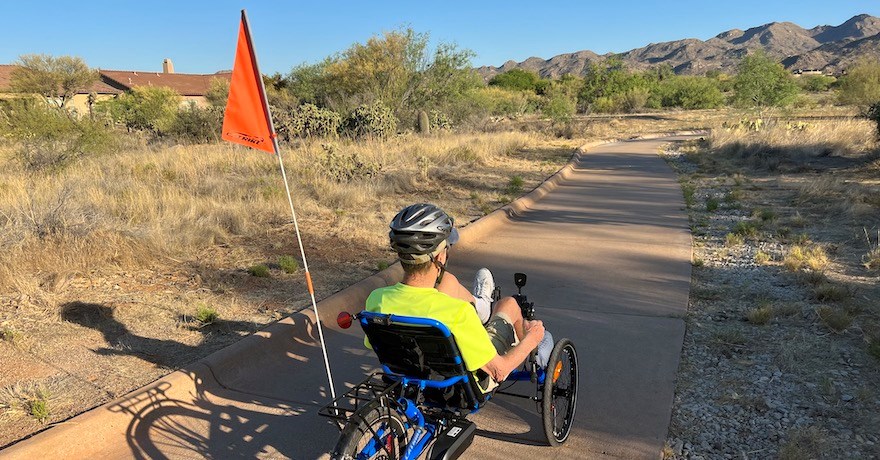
[{"x": 373, "y": 388}]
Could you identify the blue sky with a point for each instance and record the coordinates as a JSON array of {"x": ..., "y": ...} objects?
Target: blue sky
[{"x": 199, "y": 36}]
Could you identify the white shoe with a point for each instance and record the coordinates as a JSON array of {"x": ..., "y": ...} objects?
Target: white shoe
[
  {"x": 484, "y": 287},
  {"x": 544, "y": 349}
]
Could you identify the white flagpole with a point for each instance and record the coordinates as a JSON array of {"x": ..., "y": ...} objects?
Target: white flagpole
[{"x": 290, "y": 201}]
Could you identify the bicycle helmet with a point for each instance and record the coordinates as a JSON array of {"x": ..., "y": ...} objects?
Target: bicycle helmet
[{"x": 420, "y": 230}]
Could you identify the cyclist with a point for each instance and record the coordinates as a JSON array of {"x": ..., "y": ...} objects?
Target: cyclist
[{"x": 497, "y": 343}]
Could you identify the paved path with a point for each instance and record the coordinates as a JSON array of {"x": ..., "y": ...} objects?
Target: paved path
[{"x": 608, "y": 258}]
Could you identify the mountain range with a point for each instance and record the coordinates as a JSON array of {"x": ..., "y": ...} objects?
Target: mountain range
[{"x": 829, "y": 49}]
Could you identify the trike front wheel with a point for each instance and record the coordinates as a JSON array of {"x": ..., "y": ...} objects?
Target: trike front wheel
[
  {"x": 374, "y": 432},
  {"x": 560, "y": 392}
]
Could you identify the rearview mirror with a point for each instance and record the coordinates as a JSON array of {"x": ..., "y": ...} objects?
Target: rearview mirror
[{"x": 519, "y": 279}]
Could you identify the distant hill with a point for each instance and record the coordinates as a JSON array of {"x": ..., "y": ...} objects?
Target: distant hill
[{"x": 827, "y": 48}]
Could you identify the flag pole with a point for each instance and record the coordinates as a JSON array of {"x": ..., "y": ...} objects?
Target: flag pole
[{"x": 302, "y": 251}]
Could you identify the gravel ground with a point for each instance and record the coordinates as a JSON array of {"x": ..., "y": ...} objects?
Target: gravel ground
[{"x": 783, "y": 385}]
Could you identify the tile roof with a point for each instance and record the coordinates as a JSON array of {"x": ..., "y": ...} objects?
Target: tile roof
[
  {"x": 184, "y": 84},
  {"x": 5, "y": 76},
  {"x": 120, "y": 81},
  {"x": 100, "y": 86}
]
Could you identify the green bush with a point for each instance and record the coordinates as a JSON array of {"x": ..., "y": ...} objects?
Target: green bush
[
  {"x": 762, "y": 82},
  {"x": 440, "y": 120},
  {"x": 690, "y": 92},
  {"x": 307, "y": 120},
  {"x": 259, "y": 270},
  {"x": 861, "y": 84},
  {"x": 816, "y": 83},
  {"x": 288, "y": 264},
  {"x": 371, "y": 120},
  {"x": 206, "y": 315},
  {"x": 195, "y": 124},
  {"x": 515, "y": 185},
  {"x": 150, "y": 108},
  {"x": 518, "y": 80},
  {"x": 559, "y": 107},
  {"x": 345, "y": 168},
  {"x": 47, "y": 137},
  {"x": 712, "y": 204},
  {"x": 873, "y": 114}
]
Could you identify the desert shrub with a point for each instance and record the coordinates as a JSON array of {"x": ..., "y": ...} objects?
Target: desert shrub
[
  {"x": 307, "y": 120},
  {"x": 288, "y": 264},
  {"x": 559, "y": 107},
  {"x": 762, "y": 82},
  {"x": 439, "y": 120},
  {"x": 515, "y": 185},
  {"x": 495, "y": 101},
  {"x": 371, "y": 120},
  {"x": 801, "y": 257},
  {"x": 195, "y": 124},
  {"x": 873, "y": 113},
  {"x": 259, "y": 270},
  {"x": 816, "y": 83},
  {"x": 861, "y": 84},
  {"x": 760, "y": 315},
  {"x": 206, "y": 315},
  {"x": 834, "y": 319},
  {"x": 690, "y": 92},
  {"x": 712, "y": 204},
  {"x": 611, "y": 87},
  {"x": 747, "y": 228},
  {"x": 150, "y": 108},
  {"x": 344, "y": 168},
  {"x": 45, "y": 137},
  {"x": 518, "y": 80}
]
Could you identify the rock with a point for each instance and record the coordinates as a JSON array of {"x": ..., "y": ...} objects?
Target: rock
[{"x": 847, "y": 397}]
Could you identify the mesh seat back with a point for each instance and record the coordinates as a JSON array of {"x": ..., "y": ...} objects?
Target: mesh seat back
[{"x": 421, "y": 348}]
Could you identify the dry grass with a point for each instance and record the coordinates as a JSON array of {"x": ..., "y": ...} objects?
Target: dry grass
[
  {"x": 33, "y": 399},
  {"x": 812, "y": 258},
  {"x": 836, "y": 320},
  {"x": 760, "y": 315},
  {"x": 804, "y": 443},
  {"x": 794, "y": 139},
  {"x": 871, "y": 259},
  {"x": 130, "y": 209}
]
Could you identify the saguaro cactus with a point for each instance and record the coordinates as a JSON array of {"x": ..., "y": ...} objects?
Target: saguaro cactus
[{"x": 424, "y": 122}]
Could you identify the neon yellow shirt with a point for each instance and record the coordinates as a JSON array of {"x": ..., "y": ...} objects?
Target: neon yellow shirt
[{"x": 456, "y": 314}]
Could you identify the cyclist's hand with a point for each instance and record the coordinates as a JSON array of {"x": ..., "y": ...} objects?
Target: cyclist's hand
[{"x": 534, "y": 331}]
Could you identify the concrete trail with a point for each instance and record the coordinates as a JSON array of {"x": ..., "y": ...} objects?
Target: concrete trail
[{"x": 608, "y": 257}]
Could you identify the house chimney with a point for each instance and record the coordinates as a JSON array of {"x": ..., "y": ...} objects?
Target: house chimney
[{"x": 167, "y": 66}]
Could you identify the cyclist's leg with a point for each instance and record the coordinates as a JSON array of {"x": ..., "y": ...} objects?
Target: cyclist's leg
[
  {"x": 510, "y": 308},
  {"x": 450, "y": 286}
]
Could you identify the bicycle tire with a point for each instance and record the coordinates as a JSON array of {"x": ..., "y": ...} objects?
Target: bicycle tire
[
  {"x": 560, "y": 393},
  {"x": 362, "y": 428}
]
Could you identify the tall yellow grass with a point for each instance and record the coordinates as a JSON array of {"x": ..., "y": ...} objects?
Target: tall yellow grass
[
  {"x": 133, "y": 207},
  {"x": 814, "y": 137}
]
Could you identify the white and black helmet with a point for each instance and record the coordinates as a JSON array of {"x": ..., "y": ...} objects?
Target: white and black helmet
[{"x": 418, "y": 230}]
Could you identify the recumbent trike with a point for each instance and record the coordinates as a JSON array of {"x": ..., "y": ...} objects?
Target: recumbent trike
[{"x": 422, "y": 398}]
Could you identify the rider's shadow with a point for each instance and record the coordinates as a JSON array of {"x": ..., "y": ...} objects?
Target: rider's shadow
[{"x": 121, "y": 341}]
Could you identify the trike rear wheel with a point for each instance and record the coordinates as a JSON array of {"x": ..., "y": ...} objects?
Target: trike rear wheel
[
  {"x": 560, "y": 392},
  {"x": 374, "y": 432}
]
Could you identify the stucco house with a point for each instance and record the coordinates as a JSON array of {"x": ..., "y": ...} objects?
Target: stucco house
[{"x": 112, "y": 83}]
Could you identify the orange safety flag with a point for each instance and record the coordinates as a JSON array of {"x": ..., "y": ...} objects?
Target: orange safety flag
[{"x": 247, "y": 120}]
